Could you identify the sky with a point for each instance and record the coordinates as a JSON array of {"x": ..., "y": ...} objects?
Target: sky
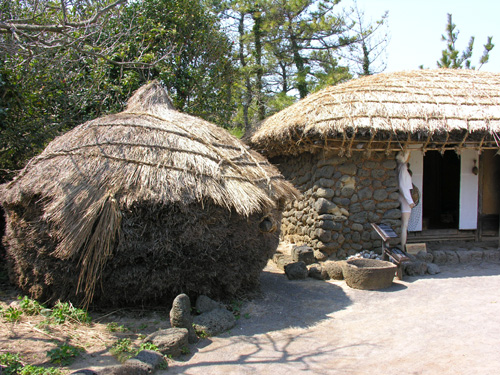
[{"x": 415, "y": 28}]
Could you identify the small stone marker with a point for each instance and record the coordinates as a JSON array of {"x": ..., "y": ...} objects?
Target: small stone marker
[{"x": 180, "y": 316}]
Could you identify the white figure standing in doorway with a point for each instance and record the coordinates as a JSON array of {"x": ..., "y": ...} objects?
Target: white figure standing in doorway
[{"x": 405, "y": 186}]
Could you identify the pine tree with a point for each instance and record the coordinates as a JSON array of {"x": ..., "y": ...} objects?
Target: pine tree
[{"x": 451, "y": 57}]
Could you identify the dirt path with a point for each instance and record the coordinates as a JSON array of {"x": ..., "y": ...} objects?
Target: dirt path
[{"x": 443, "y": 324}]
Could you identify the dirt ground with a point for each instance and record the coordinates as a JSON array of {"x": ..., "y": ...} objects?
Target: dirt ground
[{"x": 443, "y": 324}]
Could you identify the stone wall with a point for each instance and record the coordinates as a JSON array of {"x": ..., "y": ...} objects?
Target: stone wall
[{"x": 341, "y": 197}]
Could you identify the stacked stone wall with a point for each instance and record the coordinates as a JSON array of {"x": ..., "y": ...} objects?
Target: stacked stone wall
[{"x": 341, "y": 197}]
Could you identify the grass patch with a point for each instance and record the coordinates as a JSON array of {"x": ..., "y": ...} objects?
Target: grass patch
[
  {"x": 65, "y": 311},
  {"x": 64, "y": 354},
  {"x": 11, "y": 314},
  {"x": 12, "y": 365}
]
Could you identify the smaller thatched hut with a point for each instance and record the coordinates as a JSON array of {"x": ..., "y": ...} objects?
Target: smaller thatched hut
[
  {"x": 338, "y": 147},
  {"x": 137, "y": 207}
]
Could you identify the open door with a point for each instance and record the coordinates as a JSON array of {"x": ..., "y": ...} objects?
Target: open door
[{"x": 441, "y": 190}]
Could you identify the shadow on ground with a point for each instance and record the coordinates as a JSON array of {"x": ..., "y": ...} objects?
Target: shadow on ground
[
  {"x": 290, "y": 307},
  {"x": 289, "y": 303}
]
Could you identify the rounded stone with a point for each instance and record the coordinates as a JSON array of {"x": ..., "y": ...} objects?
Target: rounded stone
[
  {"x": 355, "y": 208},
  {"x": 325, "y": 172},
  {"x": 378, "y": 173},
  {"x": 325, "y": 182},
  {"x": 368, "y": 205},
  {"x": 325, "y": 193},
  {"x": 347, "y": 191},
  {"x": 380, "y": 195},
  {"x": 348, "y": 168},
  {"x": 392, "y": 214},
  {"x": 323, "y": 235},
  {"x": 334, "y": 269},
  {"x": 365, "y": 193},
  {"x": 389, "y": 164},
  {"x": 357, "y": 227}
]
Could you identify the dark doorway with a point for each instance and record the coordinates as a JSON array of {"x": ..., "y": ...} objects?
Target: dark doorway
[{"x": 441, "y": 190}]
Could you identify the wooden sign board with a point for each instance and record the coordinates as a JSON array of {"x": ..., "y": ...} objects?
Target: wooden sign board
[{"x": 415, "y": 248}]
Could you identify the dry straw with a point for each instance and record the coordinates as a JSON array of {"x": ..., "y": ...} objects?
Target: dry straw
[
  {"x": 151, "y": 153},
  {"x": 444, "y": 108}
]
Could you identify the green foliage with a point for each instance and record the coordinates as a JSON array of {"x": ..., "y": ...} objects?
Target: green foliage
[
  {"x": 122, "y": 349},
  {"x": 37, "y": 370},
  {"x": 176, "y": 41},
  {"x": 65, "y": 311},
  {"x": 64, "y": 354},
  {"x": 238, "y": 132},
  {"x": 452, "y": 58},
  {"x": 147, "y": 346},
  {"x": 115, "y": 327},
  {"x": 11, "y": 363},
  {"x": 202, "y": 334},
  {"x": 30, "y": 306},
  {"x": 235, "y": 308},
  {"x": 11, "y": 314}
]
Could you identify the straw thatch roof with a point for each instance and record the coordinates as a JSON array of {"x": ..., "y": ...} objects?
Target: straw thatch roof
[
  {"x": 85, "y": 180},
  {"x": 152, "y": 152},
  {"x": 440, "y": 109}
]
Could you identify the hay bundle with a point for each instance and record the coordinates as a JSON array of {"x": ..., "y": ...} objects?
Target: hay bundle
[{"x": 139, "y": 206}]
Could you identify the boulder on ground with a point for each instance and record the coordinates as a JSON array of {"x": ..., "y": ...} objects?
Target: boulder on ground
[
  {"x": 433, "y": 269},
  {"x": 169, "y": 341},
  {"x": 214, "y": 322},
  {"x": 296, "y": 271},
  {"x": 416, "y": 268},
  {"x": 206, "y": 304},
  {"x": 424, "y": 256},
  {"x": 334, "y": 269},
  {"x": 316, "y": 271},
  {"x": 439, "y": 257},
  {"x": 148, "y": 360},
  {"x": 303, "y": 254},
  {"x": 282, "y": 260}
]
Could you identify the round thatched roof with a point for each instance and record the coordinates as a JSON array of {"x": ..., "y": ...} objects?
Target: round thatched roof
[
  {"x": 150, "y": 152},
  {"x": 438, "y": 108}
]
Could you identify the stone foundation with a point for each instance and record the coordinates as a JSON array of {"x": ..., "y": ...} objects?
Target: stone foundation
[{"x": 341, "y": 197}]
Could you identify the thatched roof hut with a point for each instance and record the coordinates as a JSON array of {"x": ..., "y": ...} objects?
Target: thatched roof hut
[
  {"x": 338, "y": 147},
  {"x": 437, "y": 109},
  {"x": 139, "y": 206}
]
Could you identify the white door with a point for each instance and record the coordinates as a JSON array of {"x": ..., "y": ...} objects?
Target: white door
[{"x": 468, "y": 190}]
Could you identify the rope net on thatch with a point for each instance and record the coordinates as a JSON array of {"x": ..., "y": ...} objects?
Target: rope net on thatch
[
  {"x": 438, "y": 109},
  {"x": 148, "y": 153}
]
